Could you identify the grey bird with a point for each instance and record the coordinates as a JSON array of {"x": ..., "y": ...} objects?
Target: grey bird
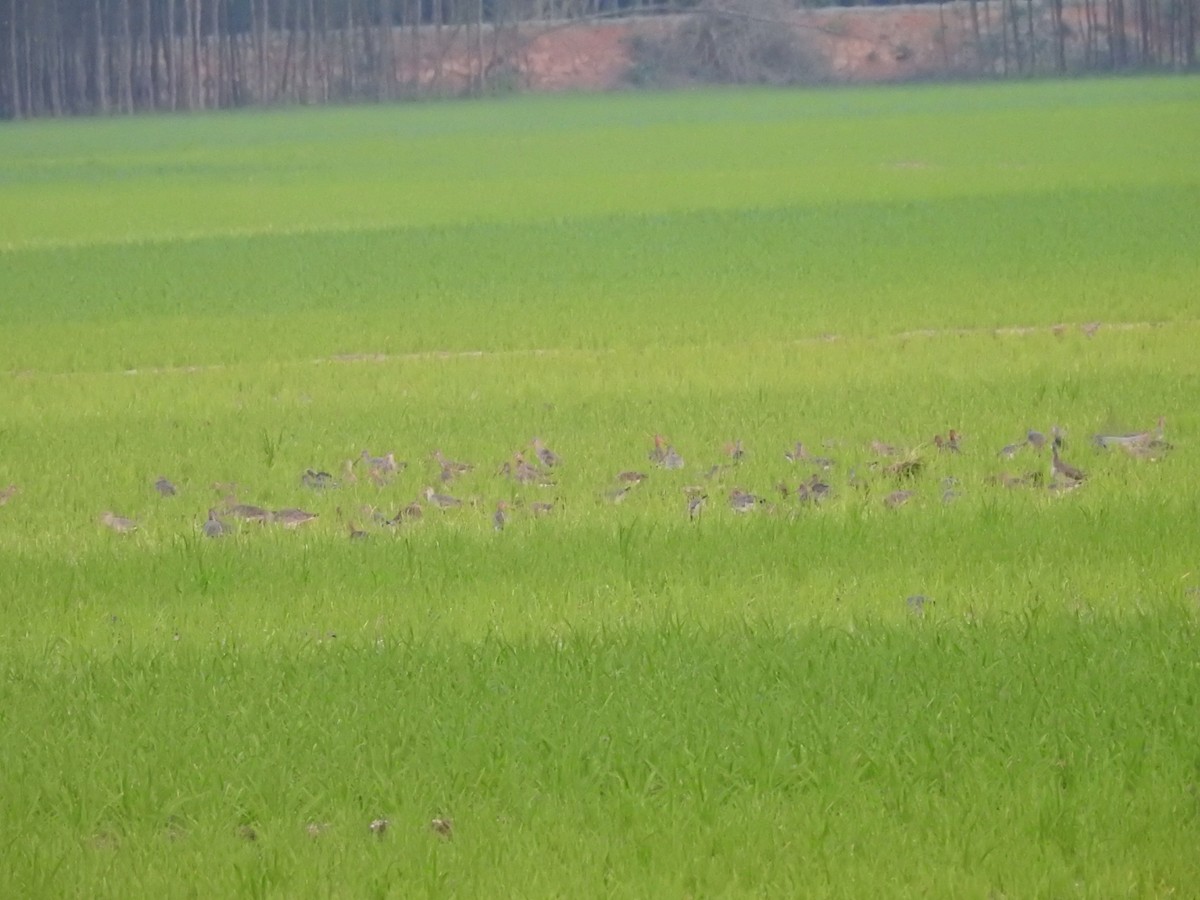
[
  {"x": 616, "y": 495},
  {"x": 664, "y": 455},
  {"x": 386, "y": 463},
  {"x": 897, "y": 499},
  {"x": 741, "y": 501},
  {"x": 549, "y": 458},
  {"x": 500, "y": 516},
  {"x": 317, "y": 481},
  {"x": 696, "y": 506},
  {"x": 631, "y": 477},
  {"x": 119, "y": 524},
  {"x": 213, "y": 526},
  {"x": 8, "y": 493},
  {"x": 164, "y": 487},
  {"x": 1035, "y": 439},
  {"x": 1011, "y": 450}
]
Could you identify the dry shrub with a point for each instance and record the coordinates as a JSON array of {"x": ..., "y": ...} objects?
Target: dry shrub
[{"x": 727, "y": 42}]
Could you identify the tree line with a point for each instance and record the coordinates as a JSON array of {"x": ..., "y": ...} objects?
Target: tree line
[{"x": 60, "y": 57}]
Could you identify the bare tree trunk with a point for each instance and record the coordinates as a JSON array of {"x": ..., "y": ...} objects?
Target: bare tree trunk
[
  {"x": 439, "y": 15},
  {"x": 173, "y": 53},
  {"x": 975, "y": 34},
  {"x": 14, "y": 65},
  {"x": 99, "y": 58},
  {"x": 286, "y": 81},
  {"x": 479, "y": 46},
  {"x": 416, "y": 46},
  {"x": 1031, "y": 37},
  {"x": 1060, "y": 50},
  {"x": 387, "y": 60},
  {"x": 349, "y": 56},
  {"x": 326, "y": 66},
  {"x": 310, "y": 52},
  {"x": 125, "y": 75},
  {"x": 1014, "y": 20}
]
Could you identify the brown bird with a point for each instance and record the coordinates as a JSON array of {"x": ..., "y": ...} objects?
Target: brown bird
[
  {"x": 664, "y": 455},
  {"x": 247, "y": 512},
  {"x": 8, "y": 493},
  {"x": 441, "y": 501},
  {"x": 451, "y": 466},
  {"x": 879, "y": 448},
  {"x": 800, "y": 453},
  {"x": 897, "y": 498},
  {"x": 293, "y": 518},
  {"x": 411, "y": 513},
  {"x": 631, "y": 477},
  {"x": 356, "y": 533},
  {"x": 444, "y": 827},
  {"x": 735, "y": 451},
  {"x": 500, "y": 516},
  {"x": 119, "y": 524},
  {"x": 164, "y": 487},
  {"x": 1061, "y": 469},
  {"x": 905, "y": 469},
  {"x": 947, "y": 444}
]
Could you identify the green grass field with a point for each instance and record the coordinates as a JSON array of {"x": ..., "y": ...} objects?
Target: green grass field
[{"x": 612, "y": 699}]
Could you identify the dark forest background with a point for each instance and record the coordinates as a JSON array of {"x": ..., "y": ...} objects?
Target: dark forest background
[{"x": 60, "y": 57}]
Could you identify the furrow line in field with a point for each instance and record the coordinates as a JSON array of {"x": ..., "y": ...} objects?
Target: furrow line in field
[{"x": 1087, "y": 328}]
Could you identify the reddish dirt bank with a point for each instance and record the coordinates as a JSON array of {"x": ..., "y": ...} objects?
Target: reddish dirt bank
[{"x": 856, "y": 44}]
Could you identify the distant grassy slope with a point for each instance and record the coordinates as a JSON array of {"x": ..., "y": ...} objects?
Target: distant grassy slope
[{"x": 586, "y": 222}]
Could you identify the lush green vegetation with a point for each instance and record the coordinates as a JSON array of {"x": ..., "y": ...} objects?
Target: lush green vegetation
[{"x": 612, "y": 698}]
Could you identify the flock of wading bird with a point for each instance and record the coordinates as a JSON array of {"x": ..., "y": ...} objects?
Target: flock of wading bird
[{"x": 893, "y": 472}]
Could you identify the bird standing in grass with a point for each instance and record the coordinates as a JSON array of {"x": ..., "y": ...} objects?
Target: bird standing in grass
[
  {"x": 119, "y": 524},
  {"x": 213, "y": 526},
  {"x": 451, "y": 469},
  {"x": 441, "y": 501},
  {"x": 549, "y": 458},
  {"x": 664, "y": 455},
  {"x": 741, "y": 501},
  {"x": 500, "y": 516},
  {"x": 247, "y": 512},
  {"x": 1061, "y": 470},
  {"x": 293, "y": 518},
  {"x": 164, "y": 487}
]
